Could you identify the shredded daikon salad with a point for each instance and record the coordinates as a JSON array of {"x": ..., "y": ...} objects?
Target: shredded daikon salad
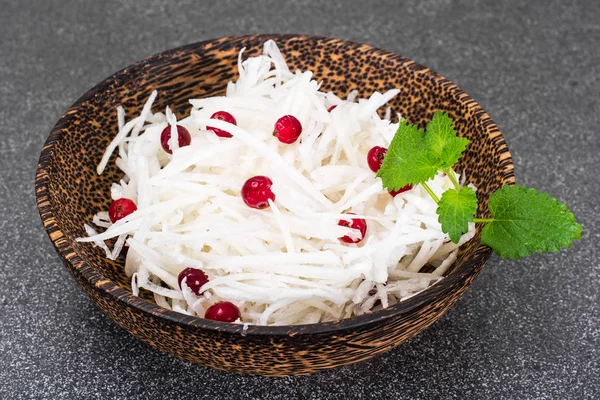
[{"x": 284, "y": 264}]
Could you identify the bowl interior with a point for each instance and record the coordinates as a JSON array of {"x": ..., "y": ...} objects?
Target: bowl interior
[{"x": 76, "y": 192}]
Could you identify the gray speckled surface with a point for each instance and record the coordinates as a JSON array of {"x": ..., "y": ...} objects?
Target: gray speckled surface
[{"x": 526, "y": 329}]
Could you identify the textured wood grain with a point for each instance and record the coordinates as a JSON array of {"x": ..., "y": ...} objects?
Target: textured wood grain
[{"x": 69, "y": 193}]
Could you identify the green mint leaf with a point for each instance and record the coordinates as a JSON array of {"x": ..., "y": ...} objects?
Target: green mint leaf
[
  {"x": 414, "y": 157},
  {"x": 407, "y": 160},
  {"x": 527, "y": 221},
  {"x": 441, "y": 141},
  {"x": 456, "y": 209}
]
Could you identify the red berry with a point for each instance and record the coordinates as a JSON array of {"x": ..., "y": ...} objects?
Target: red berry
[
  {"x": 330, "y": 109},
  {"x": 223, "y": 116},
  {"x": 120, "y": 209},
  {"x": 194, "y": 278},
  {"x": 223, "y": 311},
  {"x": 401, "y": 190},
  {"x": 375, "y": 157},
  {"x": 256, "y": 192},
  {"x": 183, "y": 136},
  {"x": 357, "y": 223},
  {"x": 287, "y": 129}
]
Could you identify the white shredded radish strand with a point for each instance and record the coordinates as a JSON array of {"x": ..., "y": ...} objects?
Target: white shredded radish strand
[
  {"x": 98, "y": 242},
  {"x": 102, "y": 220},
  {"x": 118, "y": 246},
  {"x": 284, "y": 264},
  {"x": 135, "y": 125}
]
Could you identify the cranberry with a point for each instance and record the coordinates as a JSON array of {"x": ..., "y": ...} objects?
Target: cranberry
[
  {"x": 375, "y": 157},
  {"x": 194, "y": 278},
  {"x": 120, "y": 209},
  {"x": 357, "y": 223},
  {"x": 287, "y": 129},
  {"x": 223, "y": 311},
  {"x": 223, "y": 116},
  {"x": 256, "y": 192},
  {"x": 330, "y": 109},
  {"x": 401, "y": 190},
  {"x": 183, "y": 136}
]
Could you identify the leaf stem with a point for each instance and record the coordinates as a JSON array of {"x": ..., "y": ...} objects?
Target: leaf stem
[
  {"x": 428, "y": 190},
  {"x": 452, "y": 176},
  {"x": 484, "y": 220}
]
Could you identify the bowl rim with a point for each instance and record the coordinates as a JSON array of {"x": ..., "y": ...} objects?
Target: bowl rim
[{"x": 96, "y": 279}]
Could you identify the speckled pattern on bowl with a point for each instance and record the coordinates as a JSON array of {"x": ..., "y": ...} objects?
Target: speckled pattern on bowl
[{"x": 69, "y": 193}]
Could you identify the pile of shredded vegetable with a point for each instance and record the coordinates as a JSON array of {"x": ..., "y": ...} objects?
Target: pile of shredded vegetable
[{"x": 284, "y": 264}]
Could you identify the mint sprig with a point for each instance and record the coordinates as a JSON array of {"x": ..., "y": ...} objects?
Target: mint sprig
[
  {"x": 414, "y": 157},
  {"x": 524, "y": 221}
]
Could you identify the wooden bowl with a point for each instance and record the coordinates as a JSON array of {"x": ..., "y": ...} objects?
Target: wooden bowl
[{"x": 69, "y": 193}]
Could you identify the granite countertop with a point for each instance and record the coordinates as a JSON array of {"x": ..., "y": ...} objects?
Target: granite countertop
[{"x": 525, "y": 329}]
